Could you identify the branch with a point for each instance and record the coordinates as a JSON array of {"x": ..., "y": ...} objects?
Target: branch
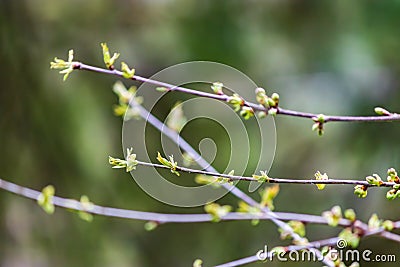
[
  {"x": 160, "y": 217},
  {"x": 268, "y": 179},
  {"x": 287, "y": 112}
]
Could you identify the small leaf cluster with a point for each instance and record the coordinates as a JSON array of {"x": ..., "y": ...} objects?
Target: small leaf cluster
[
  {"x": 296, "y": 226},
  {"x": 361, "y": 191},
  {"x": 129, "y": 163},
  {"x": 246, "y": 208},
  {"x": 109, "y": 61},
  {"x": 169, "y": 163},
  {"x": 45, "y": 199},
  {"x": 127, "y": 101},
  {"x": 217, "y": 88},
  {"x": 270, "y": 103},
  {"x": 376, "y": 180},
  {"x": 333, "y": 216},
  {"x": 318, "y": 125},
  {"x": 236, "y": 101},
  {"x": 394, "y": 178},
  {"x": 351, "y": 236},
  {"x": 66, "y": 67},
  {"x": 217, "y": 211},
  {"x": 261, "y": 178},
  {"x": 268, "y": 194},
  {"x": 374, "y": 223},
  {"x": 213, "y": 180}
]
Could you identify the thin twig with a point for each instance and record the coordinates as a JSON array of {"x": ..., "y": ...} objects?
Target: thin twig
[
  {"x": 269, "y": 179},
  {"x": 162, "y": 217},
  {"x": 254, "y": 106}
]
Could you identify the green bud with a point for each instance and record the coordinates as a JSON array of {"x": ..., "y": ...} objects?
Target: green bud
[
  {"x": 374, "y": 222},
  {"x": 162, "y": 89},
  {"x": 260, "y": 91},
  {"x": 261, "y": 97},
  {"x": 333, "y": 216},
  {"x": 392, "y": 176},
  {"x": 236, "y": 101},
  {"x": 391, "y": 172},
  {"x": 351, "y": 238},
  {"x": 318, "y": 127},
  {"x": 217, "y": 88},
  {"x": 150, "y": 226},
  {"x": 45, "y": 199},
  {"x": 337, "y": 211},
  {"x": 198, "y": 263},
  {"x": 275, "y": 98},
  {"x": 382, "y": 111},
  {"x": 261, "y": 178},
  {"x": 360, "y": 191},
  {"x": 247, "y": 112},
  {"x": 388, "y": 225},
  {"x": 350, "y": 214},
  {"x": 261, "y": 114},
  {"x": 321, "y": 118},
  {"x": 272, "y": 111},
  {"x": 315, "y": 126},
  {"x": 86, "y": 206},
  {"x": 392, "y": 194},
  {"x": 271, "y": 102}
]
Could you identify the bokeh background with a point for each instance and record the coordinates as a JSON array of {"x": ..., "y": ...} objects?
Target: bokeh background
[{"x": 339, "y": 57}]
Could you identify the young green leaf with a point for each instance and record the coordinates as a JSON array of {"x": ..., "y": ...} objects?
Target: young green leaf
[
  {"x": 126, "y": 71},
  {"x": 108, "y": 60}
]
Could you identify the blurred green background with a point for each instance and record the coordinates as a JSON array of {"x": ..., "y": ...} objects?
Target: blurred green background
[{"x": 338, "y": 57}]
